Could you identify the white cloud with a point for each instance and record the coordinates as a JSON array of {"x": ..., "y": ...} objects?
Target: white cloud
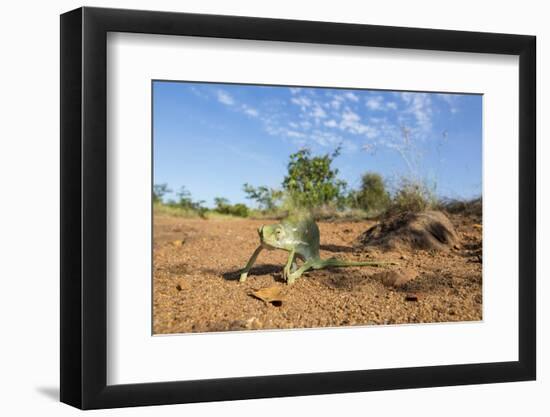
[
  {"x": 325, "y": 138},
  {"x": 275, "y": 129},
  {"x": 351, "y": 122},
  {"x": 250, "y": 110},
  {"x": 305, "y": 124},
  {"x": 225, "y": 98},
  {"x": 377, "y": 103},
  {"x": 402, "y": 130},
  {"x": 350, "y": 117},
  {"x": 420, "y": 106},
  {"x": 198, "y": 92},
  {"x": 451, "y": 100},
  {"x": 330, "y": 139},
  {"x": 338, "y": 116},
  {"x": 398, "y": 121},
  {"x": 371, "y": 120},
  {"x": 293, "y": 134},
  {"x": 301, "y": 101},
  {"x": 318, "y": 113},
  {"x": 343, "y": 96}
]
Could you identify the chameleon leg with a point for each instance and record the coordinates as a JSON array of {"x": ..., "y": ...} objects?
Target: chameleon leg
[
  {"x": 289, "y": 263},
  {"x": 298, "y": 273},
  {"x": 244, "y": 271}
]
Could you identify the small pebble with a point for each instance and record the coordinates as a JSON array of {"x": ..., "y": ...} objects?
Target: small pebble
[{"x": 411, "y": 297}]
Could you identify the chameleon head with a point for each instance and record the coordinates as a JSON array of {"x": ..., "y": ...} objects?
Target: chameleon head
[{"x": 273, "y": 236}]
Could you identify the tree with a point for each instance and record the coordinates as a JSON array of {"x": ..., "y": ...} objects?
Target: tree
[
  {"x": 373, "y": 195},
  {"x": 222, "y": 204},
  {"x": 265, "y": 197},
  {"x": 184, "y": 197},
  {"x": 224, "y": 207},
  {"x": 311, "y": 181},
  {"x": 185, "y": 200},
  {"x": 159, "y": 191}
]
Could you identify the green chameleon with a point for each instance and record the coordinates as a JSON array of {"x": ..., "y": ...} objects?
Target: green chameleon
[{"x": 298, "y": 235}]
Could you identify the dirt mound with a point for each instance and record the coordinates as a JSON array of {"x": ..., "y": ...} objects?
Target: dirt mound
[{"x": 428, "y": 230}]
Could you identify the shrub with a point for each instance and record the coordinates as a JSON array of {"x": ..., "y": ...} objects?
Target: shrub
[
  {"x": 239, "y": 210},
  {"x": 411, "y": 196},
  {"x": 186, "y": 202},
  {"x": 311, "y": 181},
  {"x": 224, "y": 207},
  {"x": 372, "y": 196}
]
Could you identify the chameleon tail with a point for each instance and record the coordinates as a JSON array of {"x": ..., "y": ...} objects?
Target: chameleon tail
[{"x": 342, "y": 263}]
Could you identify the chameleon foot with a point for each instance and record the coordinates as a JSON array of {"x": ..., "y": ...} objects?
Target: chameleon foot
[
  {"x": 243, "y": 277},
  {"x": 290, "y": 278},
  {"x": 293, "y": 276}
]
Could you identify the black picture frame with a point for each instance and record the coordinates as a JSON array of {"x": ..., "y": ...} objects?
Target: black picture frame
[{"x": 84, "y": 207}]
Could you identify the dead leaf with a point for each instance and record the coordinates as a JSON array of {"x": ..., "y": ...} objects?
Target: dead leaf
[
  {"x": 178, "y": 242},
  {"x": 271, "y": 295}
]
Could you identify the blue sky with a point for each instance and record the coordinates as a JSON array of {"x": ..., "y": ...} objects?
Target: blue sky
[{"x": 213, "y": 138}]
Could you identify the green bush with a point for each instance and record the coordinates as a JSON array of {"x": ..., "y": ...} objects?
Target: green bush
[
  {"x": 372, "y": 196},
  {"x": 224, "y": 207},
  {"x": 311, "y": 181},
  {"x": 183, "y": 206},
  {"x": 186, "y": 202}
]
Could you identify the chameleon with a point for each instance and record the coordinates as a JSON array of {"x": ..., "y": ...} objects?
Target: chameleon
[{"x": 298, "y": 234}]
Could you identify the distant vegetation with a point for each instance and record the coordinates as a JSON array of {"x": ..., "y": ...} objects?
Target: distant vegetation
[
  {"x": 312, "y": 182},
  {"x": 372, "y": 196},
  {"x": 413, "y": 196},
  {"x": 224, "y": 207},
  {"x": 268, "y": 199},
  {"x": 183, "y": 206}
]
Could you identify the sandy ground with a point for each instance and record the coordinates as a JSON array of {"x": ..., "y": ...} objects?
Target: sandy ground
[{"x": 196, "y": 287}]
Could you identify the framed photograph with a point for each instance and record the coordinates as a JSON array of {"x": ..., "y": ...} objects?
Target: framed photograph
[{"x": 257, "y": 208}]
